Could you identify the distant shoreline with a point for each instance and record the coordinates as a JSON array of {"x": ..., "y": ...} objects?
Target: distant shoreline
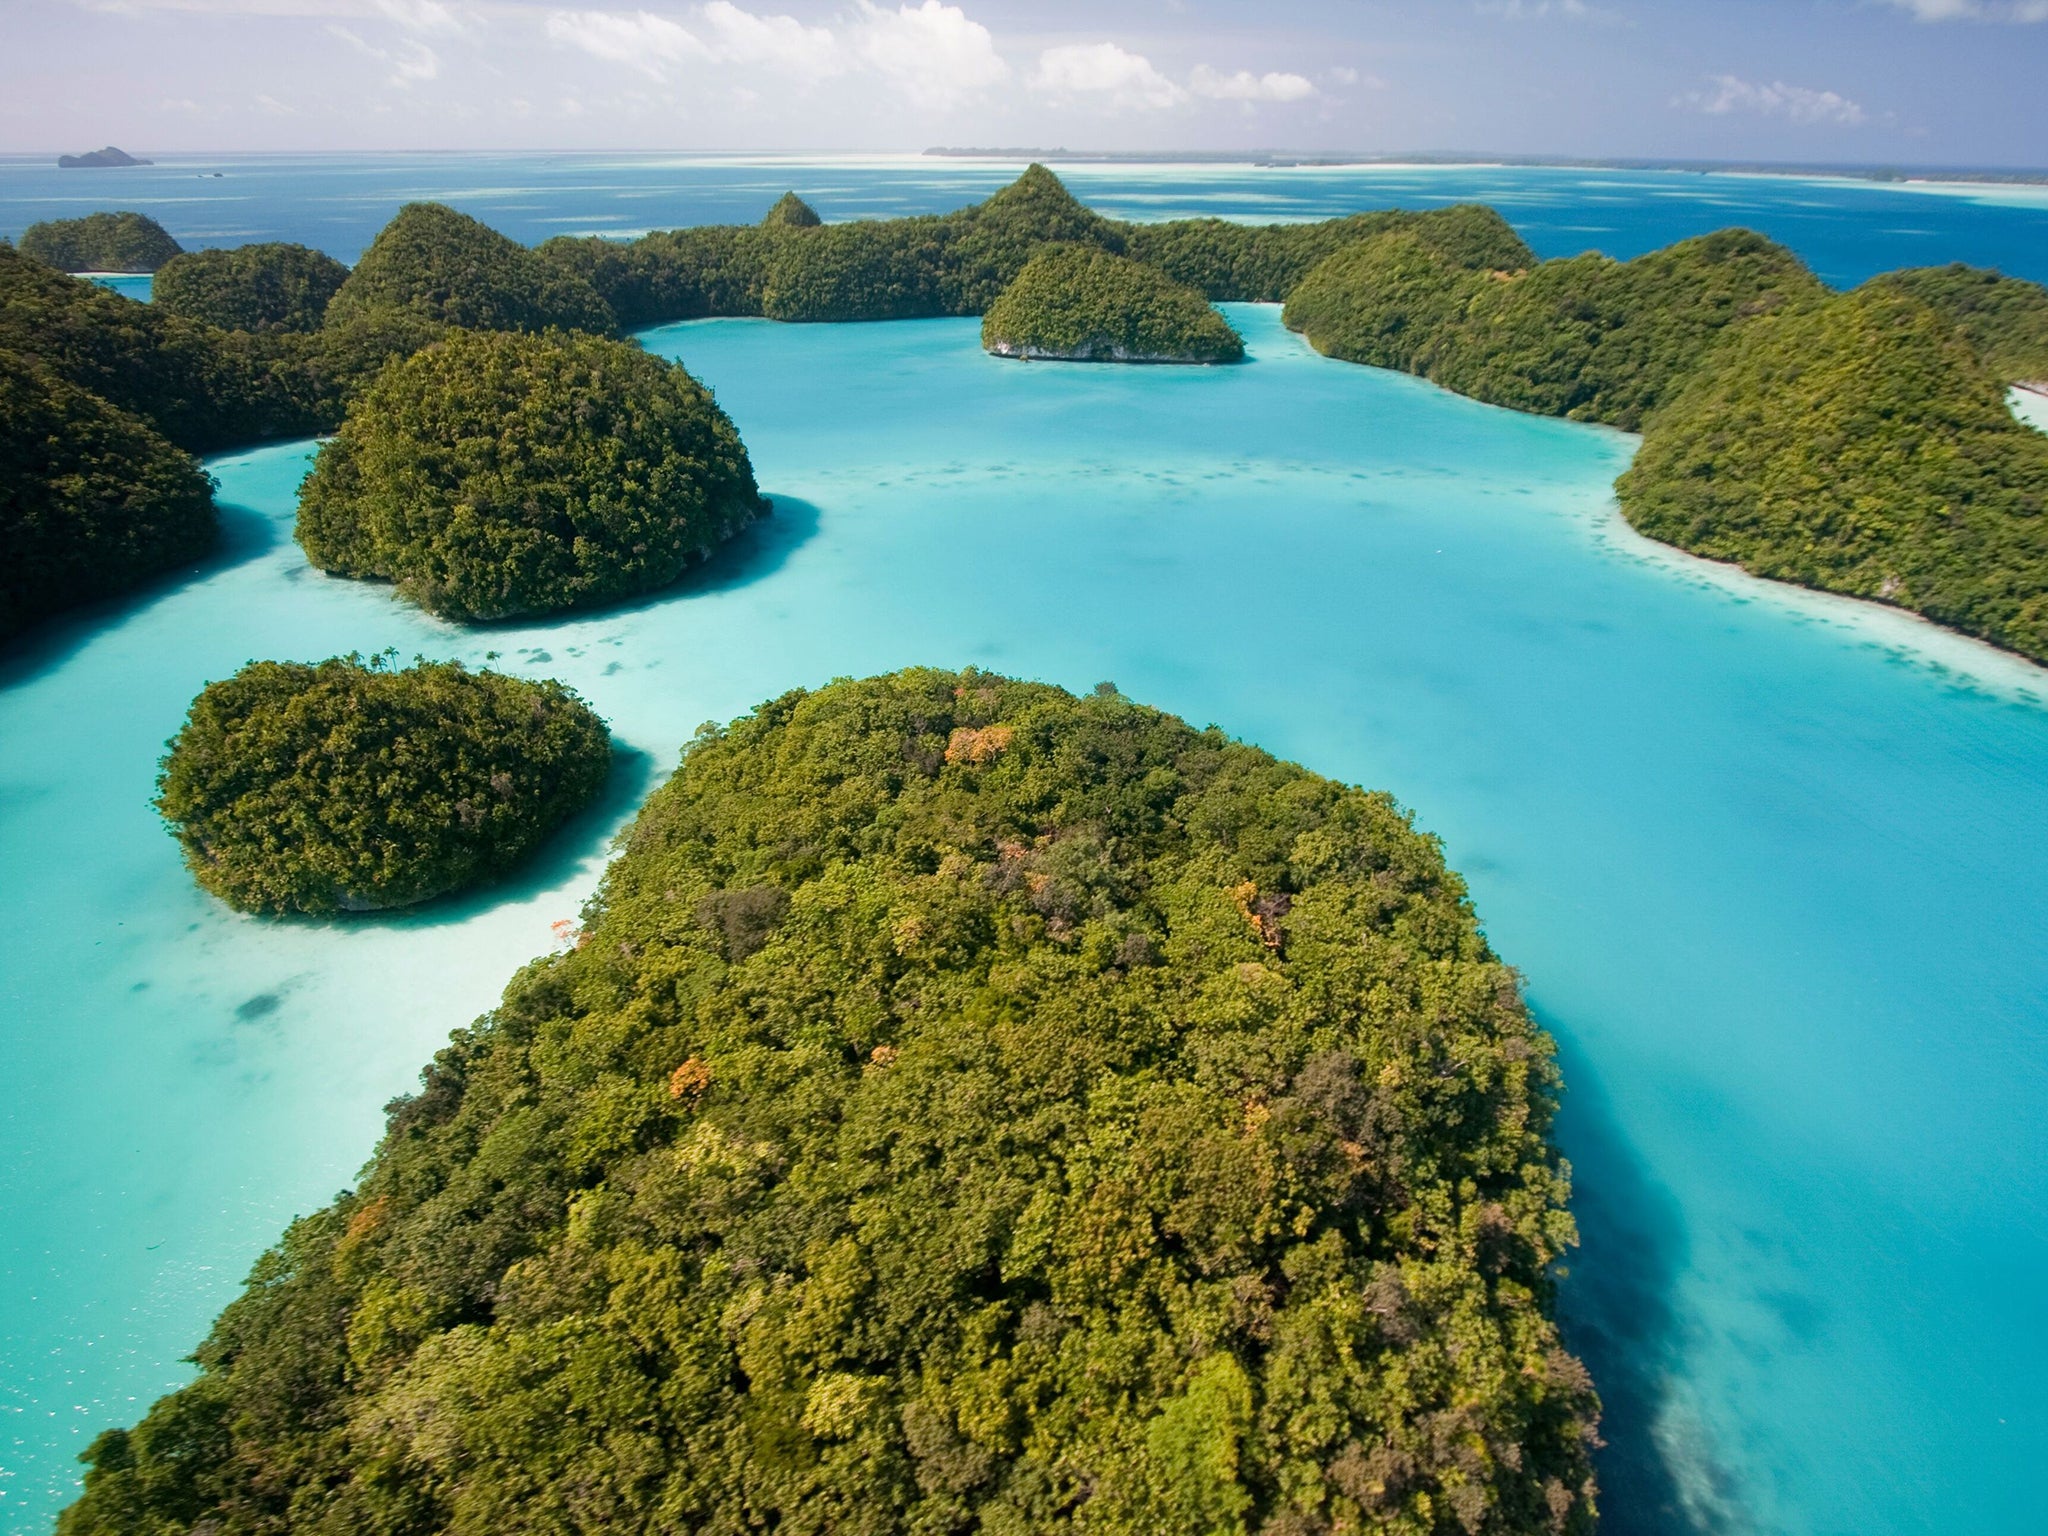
[{"x": 1283, "y": 160}]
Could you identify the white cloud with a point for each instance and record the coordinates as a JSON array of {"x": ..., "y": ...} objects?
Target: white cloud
[
  {"x": 273, "y": 106},
  {"x": 414, "y": 61},
  {"x": 421, "y": 15},
  {"x": 1246, "y": 86},
  {"x": 1107, "y": 73},
  {"x": 1537, "y": 10},
  {"x": 781, "y": 43},
  {"x": 638, "y": 39},
  {"x": 1974, "y": 10},
  {"x": 1799, "y": 103},
  {"x": 933, "y": 53}
]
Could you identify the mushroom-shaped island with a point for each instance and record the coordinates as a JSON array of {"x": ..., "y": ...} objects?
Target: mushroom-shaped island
[
  {"x": 353, "y": 786},
  {"x": 496, "y": 474},
  {"x": 1076, "y": 304}
]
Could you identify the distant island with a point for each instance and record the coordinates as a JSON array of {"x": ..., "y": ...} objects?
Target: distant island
[
  {"x": 100, "y": 242},
  {"x": 93, "y": 158}
]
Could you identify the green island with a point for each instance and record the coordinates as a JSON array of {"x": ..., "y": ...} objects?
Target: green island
[
  {"x": 501, "y": 473},
  {"x": 1077, "y": 304},
  {"x": 1856, "y": 442},
  {"x": 256, "y": 288},
  {"x": 353, "y": 785},
  {"x": 95, "y": 500},
  {"x": 441, "y": 266},
  {"x": 966, "y": 1106},
  {"x": 100, "y": 242},
  {"x": 1915, "y": 516}
]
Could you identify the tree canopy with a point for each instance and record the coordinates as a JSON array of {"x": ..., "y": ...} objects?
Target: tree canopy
[
  {"x": 1862, "y": 445},
  {"x": 93, "y": 502},
  {"x": 791, "y": 212},
  {"x": 1085, "y": 305},
  {"x": 1588, "y": 337},
  {"x": 274, "y": 287},
  {"x": 2006, "y": 318},
  {"x": 966, "y": 1107},
  {"x": 100, "y": 242},
  {"x": 352, "y": 785},
  {"x": 444, "y": 266},
  {"x": 501, "y": 473}
]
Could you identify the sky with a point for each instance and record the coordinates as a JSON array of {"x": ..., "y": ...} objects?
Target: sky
[{"x": 1872, "y": 82}]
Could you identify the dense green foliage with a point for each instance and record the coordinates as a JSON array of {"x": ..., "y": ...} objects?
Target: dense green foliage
[
  {"x": 100, "y": 242},
  {"x": 958, "y": 263},
  {"x": 791, "y": 212},
  {"x": 503, "y": 473},
  {"x": 1861, "y": 445},
  {"x": 277, "y": 287},
  {"x": 1263, "y": 262},
  {"x": 1589, "y": 338},
  {"x": 440, "y": 265},
  {"x": 2006, "y": 318},
  {"x": 349, "y": 787},
  {"x": 202, "y": 387},
  {"x": 1075, "y": 302},
  {"x": 966, "y": 1108},
  {"x": 92, "y": 501}
]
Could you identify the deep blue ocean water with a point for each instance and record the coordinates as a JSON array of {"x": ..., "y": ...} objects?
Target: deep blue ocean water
[{"x": 1773, "y": 863}]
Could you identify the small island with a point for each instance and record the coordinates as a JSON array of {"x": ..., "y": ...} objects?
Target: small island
[
  {"x": 497, "y": 474},
  {"x": 100, "y": 242},
  {"x": 1078, "y": 304},
  {"x": 433, "y": 263},
  {"x": 354, "y": 786},
  {"x": 94, "y": 159},
  {"x": 965, "y": 1104},
  {"x": 275, "y": 286}
]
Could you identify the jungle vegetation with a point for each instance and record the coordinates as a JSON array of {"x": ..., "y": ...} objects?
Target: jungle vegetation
[
  {"x": 275, "y": 287},
  {"x": 1589, "y": 338},
  {"x": 442, "y": 266},
  {"x": 791, "y": 212},
  {"x": 93, "y": 501},
  {"x": 1858, "y": 443},
  {"x": 957, "y": 263},
  {"x": 966, "y": 1107},
  {"x": 1084, "y": 305},
  {"x": 1451, "y": 294},
  {"x": 355, "y": 785},
  {"x": 100, "y": 242},
  {"x": 499, "y": 473},
  {"x": 2005, "y": 319},
  {"x": 1863, "y": 445}
]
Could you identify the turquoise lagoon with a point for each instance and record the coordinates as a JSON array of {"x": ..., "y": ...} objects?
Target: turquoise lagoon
[{"x": 1772, "y": 863}]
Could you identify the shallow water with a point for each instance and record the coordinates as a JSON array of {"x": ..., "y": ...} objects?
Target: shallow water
[{"x": 1772, "y": 864}]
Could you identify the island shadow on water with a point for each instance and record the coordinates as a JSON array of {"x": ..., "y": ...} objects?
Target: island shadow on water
[
  {"x": 1616, "y": 1314},
  {"x": 245, "y": 534}
]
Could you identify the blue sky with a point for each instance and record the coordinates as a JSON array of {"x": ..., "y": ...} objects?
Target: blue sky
[{"x": 1959, "y": 82}]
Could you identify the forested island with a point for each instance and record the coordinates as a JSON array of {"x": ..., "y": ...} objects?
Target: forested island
[
  {"x": 99, "y": 159},
  {"x": 100, "y": 242},
  {"x": 497, "y": 474},
  {"x": 1077, "y": 304},
  {"x": 1893, "y": 473},
  {"x": 966, "y": 1107},
  {"x": 354, "y": 785},
  {"x": 256, "y": 288}
]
